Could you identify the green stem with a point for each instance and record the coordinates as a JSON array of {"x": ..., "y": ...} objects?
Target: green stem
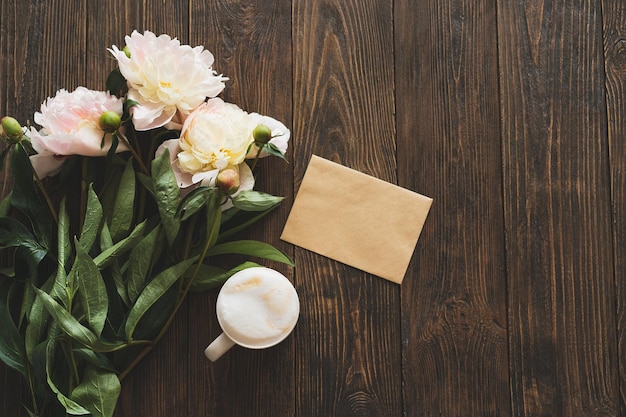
[
  {"x": 256, "y": 158},
  {"x": 46, "y": 196},
  {"x": 83, "y": 193},
  {"x": 73, "y": 363},
  {"x": 134, "y": 152},
  {"x": 32, "y": 388}
]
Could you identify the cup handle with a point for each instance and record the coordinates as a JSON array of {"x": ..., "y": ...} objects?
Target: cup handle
[{"x": 218, "y": 347}]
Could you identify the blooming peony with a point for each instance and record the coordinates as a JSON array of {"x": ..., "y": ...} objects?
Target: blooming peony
[
  {"x": 70, "y": 126},
  {"x": 187, "y": 181},
  {"x": 215, "y": 137},
  {"x": 167, "y": 79}
]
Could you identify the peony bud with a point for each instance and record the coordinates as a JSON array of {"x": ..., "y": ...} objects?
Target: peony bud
[
  {"x": 228, "y": 181},
  {"x": 110, "y": 121},
  {"x": 262, "y": 133},
  {"x": 11, "y": 128}
]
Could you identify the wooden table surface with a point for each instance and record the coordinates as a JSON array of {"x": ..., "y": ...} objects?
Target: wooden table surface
[{"x": 509, "y": 114}]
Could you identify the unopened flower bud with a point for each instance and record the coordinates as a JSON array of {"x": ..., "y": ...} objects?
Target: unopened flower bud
[
  {"x": 262, "y": 133},
  {"x": 110, "y": 121},
  {"x": 126, "y": 51},
  {"x": 228, "y": 181},
  {"x": 11, "y": 128}
]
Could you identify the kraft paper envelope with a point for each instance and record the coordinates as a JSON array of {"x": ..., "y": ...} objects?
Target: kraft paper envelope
[{"x": 356, "y": 219}]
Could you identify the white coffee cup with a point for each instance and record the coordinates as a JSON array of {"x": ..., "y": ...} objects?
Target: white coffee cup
[{"x": 257, "y": 308}]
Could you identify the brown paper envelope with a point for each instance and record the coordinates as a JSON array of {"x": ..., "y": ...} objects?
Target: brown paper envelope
[{"x": 356, "y": 219}]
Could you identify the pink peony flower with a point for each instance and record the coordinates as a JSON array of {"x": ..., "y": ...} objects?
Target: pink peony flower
[
  {"x": 167, "y": 79},
  {"x": 70, "y": 126}
]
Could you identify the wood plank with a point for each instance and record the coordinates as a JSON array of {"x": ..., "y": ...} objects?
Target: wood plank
[
  {"x": 557, "y": 197},
  {"x": 454, "y": 297},
  {"x": 348, "y": 344},
  {"x": 614, "y": 25},
  {"x": 251, "y": 42},
  {"x": 34, "y": 63}
]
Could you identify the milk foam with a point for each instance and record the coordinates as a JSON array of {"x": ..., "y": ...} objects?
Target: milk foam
[{"x": 257, "y": 307}]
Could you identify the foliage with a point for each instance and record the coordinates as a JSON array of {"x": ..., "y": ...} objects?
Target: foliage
[{"x": 99, "y": 258}]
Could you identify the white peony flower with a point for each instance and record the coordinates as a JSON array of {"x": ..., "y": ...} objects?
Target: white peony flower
[
  {"x": 188, "y": 181},
  {"x": 167, "y": 79},
  {"x": 214, "y": 136}
]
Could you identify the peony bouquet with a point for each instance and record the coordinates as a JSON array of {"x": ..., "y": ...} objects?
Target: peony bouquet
[{"x": 123, "y": 202}]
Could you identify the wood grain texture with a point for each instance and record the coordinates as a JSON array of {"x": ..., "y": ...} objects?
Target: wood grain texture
[
  {"x": 614, "y": 30},
  {"x": 34, "y": 63},
  {"x": 557, "y": 204},
  {"x": 348, "y": 337},
  {"x": 509, "y": 114},
  {"x": 453, "y": 298}
]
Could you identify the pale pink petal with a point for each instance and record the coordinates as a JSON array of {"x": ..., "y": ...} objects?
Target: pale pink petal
[
  {"x": 183, "y": 179},
  {"x": 46, "y": 165},
  {"x": 280, "y": 135}
]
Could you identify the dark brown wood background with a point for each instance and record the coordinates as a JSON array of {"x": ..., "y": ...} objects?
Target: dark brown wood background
[{"x": 510, "y": 114}]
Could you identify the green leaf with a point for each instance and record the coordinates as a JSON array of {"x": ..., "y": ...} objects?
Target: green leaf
[
  {"x": 114, "y": 268},
  {"x": 37, "y": 321},
  {"x": 61, "y": 283},
  {"x": 15, "y": 234},
  {"x": 28, "y": 298},
  {"x": 210, "y": 277},
  {"x": 96, "y": 359},
  {"x": 72, "y": 327},
  {"x": 98, "y": 392},
  {"x": 167, "y": 195},
  {"x": 194, "y": 201},
  {"x": 255, "y": 201},
  {"x": 12, "y": 351},
  {"x": 71, "y": 406},
  {"x": 240, "y": 221},
  {"x": 5, "y": 206},
  {"x": 25, "y": 196},
  {"x": 93, "y": 220},
  {"x": 273, "y": 150},
  {"x": 123, "y": 207},
  {"x": 250, "y": 248},
  {"x": 128, "y": 104},
  {"x": 213, "y": 217},
  {"x": 38, "y": 369},
  {"x": 115, "y": 82},
  {"x": 63, "y": 238},
  {"x": 146, "y": 181},
  {"x": 91, "y": 290},
  {"x": 121, "y": 247},
  {"x": 139, "y": 263},
  {"x": 153, "y": 291},
  {"x": 3, "y": 156},
  {"x": 67, "y": 322}
]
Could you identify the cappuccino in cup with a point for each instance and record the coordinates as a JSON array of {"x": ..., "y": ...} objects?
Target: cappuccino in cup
[{"x": 257, "y": 308}]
